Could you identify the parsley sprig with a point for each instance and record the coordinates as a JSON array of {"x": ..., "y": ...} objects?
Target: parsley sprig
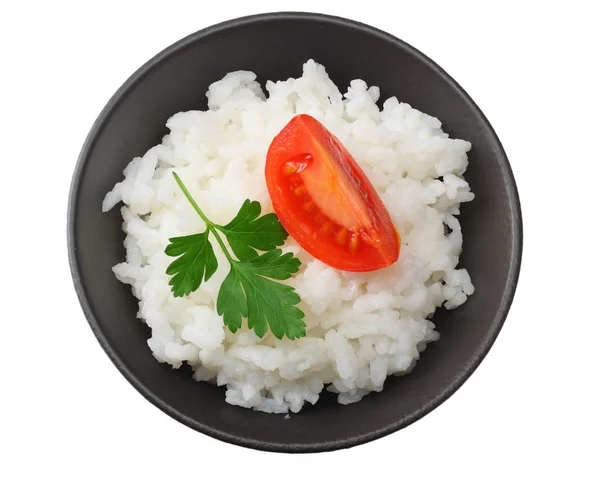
[{"x": 251, "y": 289}]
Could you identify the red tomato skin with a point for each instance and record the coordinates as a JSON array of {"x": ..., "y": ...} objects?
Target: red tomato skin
[{"x": 305, "y": 140}]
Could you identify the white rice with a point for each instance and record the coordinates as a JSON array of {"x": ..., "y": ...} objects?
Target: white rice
[{"x": 361, "y": 327}]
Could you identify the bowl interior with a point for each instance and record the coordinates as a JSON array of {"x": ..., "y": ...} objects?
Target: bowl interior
[{"x": 275, "y": 46}]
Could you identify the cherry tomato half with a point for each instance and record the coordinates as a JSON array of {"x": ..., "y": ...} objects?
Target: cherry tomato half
[{"x": 325, "y": 201}]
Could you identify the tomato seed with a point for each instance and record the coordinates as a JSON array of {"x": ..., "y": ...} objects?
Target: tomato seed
[
  {"x": 341, "y": 236},
  {"x": 354, "y": 242},
  {"x": 300, "y": 191},
  {"x": 290, "y": 168}
]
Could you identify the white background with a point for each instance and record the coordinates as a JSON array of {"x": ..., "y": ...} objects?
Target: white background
[{"x": 525, "y": 424}]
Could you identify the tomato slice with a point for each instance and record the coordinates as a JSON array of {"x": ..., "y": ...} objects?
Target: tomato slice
[{"x": 325, "y": 201}]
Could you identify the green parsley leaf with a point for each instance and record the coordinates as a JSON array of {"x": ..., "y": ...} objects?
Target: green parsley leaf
[
  {"x": 274, "y": 264},
  {"x": 268, "y": 304},
  {"x": 247, "y": 232},
  {"x": 231, "y": 302},
  {"x": 251, "y": 289},
  {"x": 196, "y": 262}
]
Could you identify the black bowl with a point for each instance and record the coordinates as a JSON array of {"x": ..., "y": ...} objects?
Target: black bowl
[{"x": 274, "y": 46}]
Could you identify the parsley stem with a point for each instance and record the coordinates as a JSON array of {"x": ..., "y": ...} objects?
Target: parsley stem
[
  {"x": 221, "y": 244},
  {"x": 209, "y": 224}
]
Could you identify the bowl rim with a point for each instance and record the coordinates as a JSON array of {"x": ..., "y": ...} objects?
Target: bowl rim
[{"x": 258, "y": 444}]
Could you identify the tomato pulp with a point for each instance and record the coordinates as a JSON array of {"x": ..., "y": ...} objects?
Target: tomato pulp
[{"x": 325, "y": 201}]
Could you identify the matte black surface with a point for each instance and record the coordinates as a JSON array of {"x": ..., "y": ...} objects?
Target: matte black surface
[{"x": 275, "y": 46}]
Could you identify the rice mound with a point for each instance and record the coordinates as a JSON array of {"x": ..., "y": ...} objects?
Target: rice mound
[{"x": 361, "y": 327}]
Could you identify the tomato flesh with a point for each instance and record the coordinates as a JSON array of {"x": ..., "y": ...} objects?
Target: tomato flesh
[{"x": 325, "y": 201}]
